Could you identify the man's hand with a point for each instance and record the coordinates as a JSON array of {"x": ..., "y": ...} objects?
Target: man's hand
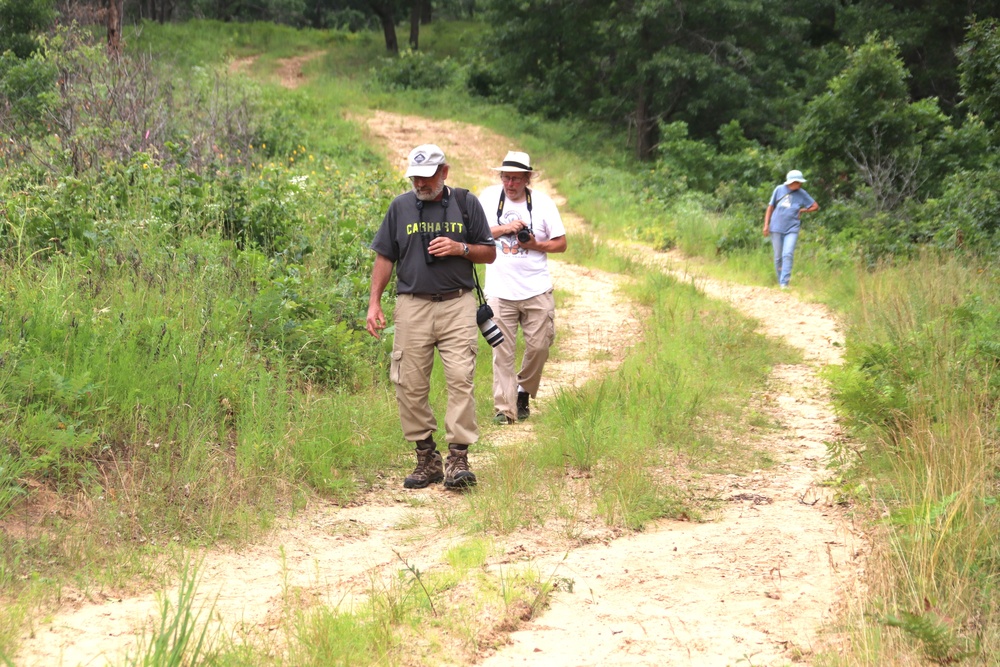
[
  {"x": 531, "y": 244},
  {"x": 376, "y": 319},
  {"x": 443, "y": 246},
  {"x": 514, "y": 226},
  {"x": 558, "y": 244}
]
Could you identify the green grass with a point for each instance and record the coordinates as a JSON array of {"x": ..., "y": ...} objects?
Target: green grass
[
  {"x": 211, "y": 42},
  {"x": 182, "y": 636},
  {"x": 919, "y": 389}
]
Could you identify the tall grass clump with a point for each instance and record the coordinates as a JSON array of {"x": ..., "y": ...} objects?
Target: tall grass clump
[
  {"x": 182, "y": 636},
  {"x": 920, "y": 388}
]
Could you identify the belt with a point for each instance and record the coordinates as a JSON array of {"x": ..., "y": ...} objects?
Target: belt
[{"x": 445, "y": 296}]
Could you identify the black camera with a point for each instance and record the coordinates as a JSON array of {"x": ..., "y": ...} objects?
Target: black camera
[
  {"x": 491, "y": 332},
  {"x": 426, "y": 239},
  {"x": 523, "y": 235}
]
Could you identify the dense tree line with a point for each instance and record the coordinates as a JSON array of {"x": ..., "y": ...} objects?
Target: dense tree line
[
  {"x": 890, "y": 105},
  {"x": 647, "y": 62},
  {"x": 343, "y": 14},
  {"x": 642, "y": 63}
]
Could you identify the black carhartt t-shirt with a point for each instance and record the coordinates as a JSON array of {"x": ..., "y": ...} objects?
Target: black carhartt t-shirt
[{"x": 406, "y": 229}]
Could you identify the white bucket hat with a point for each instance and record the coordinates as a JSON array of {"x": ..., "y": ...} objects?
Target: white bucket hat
[
  {"x": 425, "y": 160},
  {"x": 515, "y": 161},
  {"x": 794, "y": 176}
]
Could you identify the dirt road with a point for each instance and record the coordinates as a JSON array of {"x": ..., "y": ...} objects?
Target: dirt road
[{"x": 757, "y": 585}]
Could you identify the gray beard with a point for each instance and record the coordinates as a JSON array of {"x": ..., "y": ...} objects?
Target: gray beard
[{"x": 432, "y": 196}]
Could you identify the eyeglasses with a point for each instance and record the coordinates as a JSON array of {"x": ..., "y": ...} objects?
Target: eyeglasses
[{"x": 516, "y": 180}]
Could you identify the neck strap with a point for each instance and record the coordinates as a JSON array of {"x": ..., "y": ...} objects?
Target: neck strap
[
  {"x": 503, "y": 198},
  {"x": 443, "y": 201}
]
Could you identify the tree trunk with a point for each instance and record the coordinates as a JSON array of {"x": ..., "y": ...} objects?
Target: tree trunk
[
  {"x": 646, "y": 128},
  {"x": 115, "y": 12},
  {"x": 383, "y": 10},
  {"x": 425, "y": 11},
  {"x": 415, "y": 24},
  {"x": 644, "y": 125}
]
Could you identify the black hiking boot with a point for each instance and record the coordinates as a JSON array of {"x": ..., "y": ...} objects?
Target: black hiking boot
[
  {"x": 501, "y": 418},
  {"x": 429, "y": 468},
  {"x": 522, "y": 405},
  {"x": 456, "y": 468}
]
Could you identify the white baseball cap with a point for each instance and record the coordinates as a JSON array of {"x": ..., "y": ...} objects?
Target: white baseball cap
[
  {"x": 794, "y": 176},
  {"x": 425, "y": 160}
]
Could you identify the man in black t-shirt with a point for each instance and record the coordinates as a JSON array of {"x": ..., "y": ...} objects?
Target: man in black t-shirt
[{"x": 433, "y": 248}]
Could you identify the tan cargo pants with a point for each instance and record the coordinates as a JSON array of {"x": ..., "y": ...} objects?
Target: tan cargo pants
[
  {"x": 449, "y": 326},
  {"x": 536, "y": 317}
]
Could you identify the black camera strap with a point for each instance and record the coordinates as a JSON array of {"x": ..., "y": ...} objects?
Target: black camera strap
[
  {"x": 444, "y": 204},
  {"x": 503, "y": 197},
  {"x": 479, "y": 290}
]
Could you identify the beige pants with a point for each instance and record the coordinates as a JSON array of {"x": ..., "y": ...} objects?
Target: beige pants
[
  {"x": 449, "y": 326},
  {"x": 537, "y": 319}
]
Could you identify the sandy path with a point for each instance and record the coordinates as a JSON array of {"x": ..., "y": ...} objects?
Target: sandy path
[
  {"x": 758, "y": 584},
  {"x": 755, "y": 585}
]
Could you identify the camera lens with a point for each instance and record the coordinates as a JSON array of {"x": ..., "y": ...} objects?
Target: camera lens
[
  {"x": 523, "y": 235},
  {"x": 491, "y": 332}
]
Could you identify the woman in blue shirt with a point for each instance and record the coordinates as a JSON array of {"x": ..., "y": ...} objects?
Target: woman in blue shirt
[{"x": 781, "y": 222}]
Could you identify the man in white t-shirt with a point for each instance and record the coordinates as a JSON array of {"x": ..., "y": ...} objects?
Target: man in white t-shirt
[{"x": 527, "y": 227}]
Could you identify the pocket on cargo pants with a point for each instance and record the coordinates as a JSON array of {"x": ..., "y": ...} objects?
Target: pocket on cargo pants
[{"x": 395, "y": 366}]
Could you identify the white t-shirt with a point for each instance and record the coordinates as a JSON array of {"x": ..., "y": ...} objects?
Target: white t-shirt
[{"x": 517, "y": 273}]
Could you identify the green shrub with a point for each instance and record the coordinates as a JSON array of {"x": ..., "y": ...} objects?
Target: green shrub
[
  {"x": 482, "y": 78},
  {"x": 742, "y": 231},
  {"x": 20, "y": 23},
  {"x": 965, "y": 215},
  {"x": 737, "y": 161},
  {"x": 27, "y": 92},
  {"x": 414, "y": 70}
]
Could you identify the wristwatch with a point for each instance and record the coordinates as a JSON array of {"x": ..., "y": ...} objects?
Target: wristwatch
[{"x": 465, "y": 248}]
